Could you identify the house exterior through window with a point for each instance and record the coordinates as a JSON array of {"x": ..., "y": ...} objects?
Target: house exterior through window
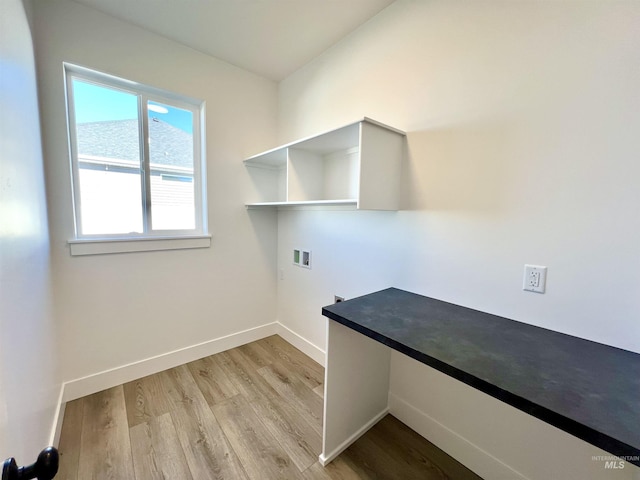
[{"x": 136, "y": 158}]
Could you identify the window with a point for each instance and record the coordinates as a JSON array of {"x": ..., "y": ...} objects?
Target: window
[{"x": 136, "y": 158}]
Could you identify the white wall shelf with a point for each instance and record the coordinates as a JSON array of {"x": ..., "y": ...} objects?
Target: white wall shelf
[{"x": 358, "y": 164}]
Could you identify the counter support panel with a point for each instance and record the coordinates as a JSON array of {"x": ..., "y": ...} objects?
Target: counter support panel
[{"x": 356, "y": 388}]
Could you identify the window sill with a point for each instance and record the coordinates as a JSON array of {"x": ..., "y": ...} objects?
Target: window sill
[{"x": 128, "y": 245}]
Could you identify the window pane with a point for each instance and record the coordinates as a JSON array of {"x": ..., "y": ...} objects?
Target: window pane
[
  {"x": 172, "y": 167},
  {"x": 108, "y": 159}
]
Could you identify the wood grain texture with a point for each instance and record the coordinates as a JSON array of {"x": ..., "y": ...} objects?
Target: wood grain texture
[
  {"x": 319, "y": 390},
  {"x": 246, "y": 378},
  {"x": 311, "y": 372},
  {"x": 157, "y": 453},
  {"x": 208, "y": 453},
  {"x": 289, "y": 386},
  {"x": 212, "y": 381},
  {"x": 254, "y": 412},
  {"x": 105, "y": 451},
  {"x": 339, "y": 469},
  {"x": 402, "y": 442},
  {"x": 390, "y": 447},
  {"x": 296, "y": 436},
  {"x": 257, "y": 355},
  {"x": 261, "y": 454},
  {"x": 369, "y": 460},
  {"x": 145, "y": 399}
]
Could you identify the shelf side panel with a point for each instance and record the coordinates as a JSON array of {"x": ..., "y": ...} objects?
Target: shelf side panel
[{"x": 381, "y": 153}]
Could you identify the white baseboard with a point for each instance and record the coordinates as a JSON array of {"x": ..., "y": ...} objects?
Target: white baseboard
[
  {"x": 56, "y": 428},
  {"x": 326, "y": 459},
  {"x": 97, "y": 382},
  {"x": 302, "y": 344},
  {"x": 467, "y": 453}
]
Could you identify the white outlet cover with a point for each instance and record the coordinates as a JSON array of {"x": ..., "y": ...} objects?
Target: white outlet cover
[{"x": 535, "y": 278}]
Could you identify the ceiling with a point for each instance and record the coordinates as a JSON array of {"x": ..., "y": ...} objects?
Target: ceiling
[{"x": 272, "y": 38}]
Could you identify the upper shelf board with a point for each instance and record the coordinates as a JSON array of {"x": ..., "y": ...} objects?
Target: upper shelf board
[{"x": 332, "y": 141}]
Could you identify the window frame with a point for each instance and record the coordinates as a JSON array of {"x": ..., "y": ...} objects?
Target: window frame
[{"x": 144, "y": 94}]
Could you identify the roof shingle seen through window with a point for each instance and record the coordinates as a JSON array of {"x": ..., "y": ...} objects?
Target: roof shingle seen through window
[{"x": 119, "y": 140}]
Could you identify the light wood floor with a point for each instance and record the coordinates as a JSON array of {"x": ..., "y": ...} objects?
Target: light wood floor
[{"x": 254, "y": 412}]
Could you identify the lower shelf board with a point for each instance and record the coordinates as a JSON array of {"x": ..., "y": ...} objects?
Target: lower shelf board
[{"x": 310, "y": 203}]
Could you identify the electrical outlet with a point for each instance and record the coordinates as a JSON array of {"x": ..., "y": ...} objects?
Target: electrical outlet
[
  {"x": 337, "y": 299},
  {"x": 535, "y": 278}
]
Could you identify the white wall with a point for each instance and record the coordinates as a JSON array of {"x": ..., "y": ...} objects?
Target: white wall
[
  {"x": 29, "y": 381},
  {"x": 522, "y": 121},
  {"x": 123, "y": 308}
]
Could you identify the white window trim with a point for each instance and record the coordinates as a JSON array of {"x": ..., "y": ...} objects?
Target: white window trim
[
  {"x": 127, "y": 245},
  {"x": 150, "y": 240}
]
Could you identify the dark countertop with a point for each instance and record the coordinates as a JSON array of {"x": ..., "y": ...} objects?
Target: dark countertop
[{"x": 587, "y": 389}]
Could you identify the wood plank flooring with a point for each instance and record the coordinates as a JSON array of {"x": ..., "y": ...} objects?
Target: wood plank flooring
[{"x": 254, "y": 412}]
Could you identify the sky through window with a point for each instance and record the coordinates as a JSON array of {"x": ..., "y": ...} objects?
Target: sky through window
[{"x": 96, "y": 103}]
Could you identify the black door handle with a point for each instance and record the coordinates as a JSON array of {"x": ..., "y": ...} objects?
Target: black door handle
[{"x": 45, "y": 467}]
